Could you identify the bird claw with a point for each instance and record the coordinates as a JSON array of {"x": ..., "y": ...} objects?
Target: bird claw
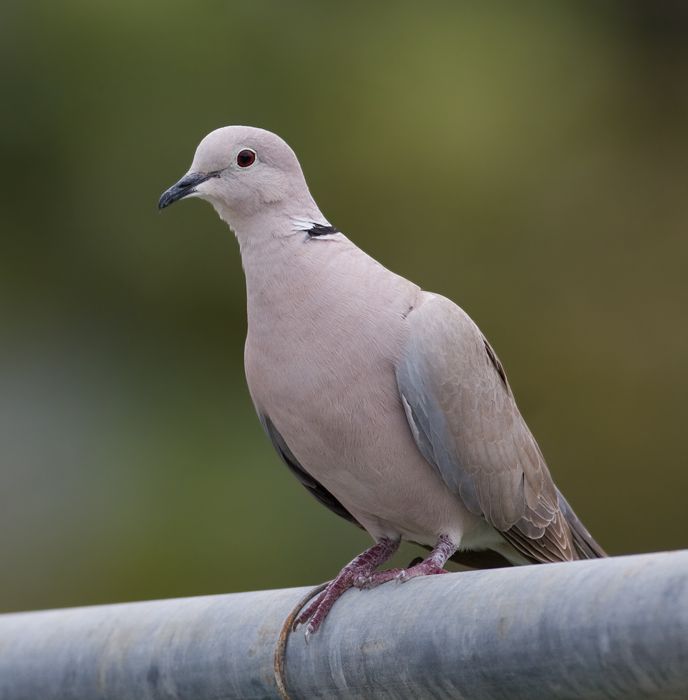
[
  {"x": 358, "y": 573},
  {"x": 425, "y": 568}
]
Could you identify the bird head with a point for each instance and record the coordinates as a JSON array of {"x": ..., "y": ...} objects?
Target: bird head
[{"x": 242, "y": 171}]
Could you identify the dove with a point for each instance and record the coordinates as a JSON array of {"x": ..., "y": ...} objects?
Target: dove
[{"x": 385, "y": 401}]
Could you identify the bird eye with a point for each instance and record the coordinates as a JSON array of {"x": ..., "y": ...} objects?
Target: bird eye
[{"x": 246, "y": 157}]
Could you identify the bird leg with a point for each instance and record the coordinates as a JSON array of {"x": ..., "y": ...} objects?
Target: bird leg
[
  {"x": 434, "y": 564},
  {"x": 356, "y": 573}
]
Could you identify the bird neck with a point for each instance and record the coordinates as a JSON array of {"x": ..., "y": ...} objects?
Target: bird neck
[
  {"x": 306, "y": 285},
  {"x": 273, "y": 219},
  {"x": 283, "y": 265}
]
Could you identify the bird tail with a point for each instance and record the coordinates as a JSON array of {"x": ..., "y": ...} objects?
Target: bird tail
[{"x": 583, "y": 541}]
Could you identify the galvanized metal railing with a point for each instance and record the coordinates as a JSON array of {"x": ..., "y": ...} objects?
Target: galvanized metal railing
[{"x": 612, "y": 628}]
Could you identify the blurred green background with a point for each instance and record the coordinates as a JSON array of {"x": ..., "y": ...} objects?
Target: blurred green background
[{"x": 527, "y": 159}]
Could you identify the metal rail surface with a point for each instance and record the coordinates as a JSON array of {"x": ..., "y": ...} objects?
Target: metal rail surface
[{"x": 609, "y": 628}]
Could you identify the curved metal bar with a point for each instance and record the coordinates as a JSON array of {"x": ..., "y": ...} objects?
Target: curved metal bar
[{"x": 606, "y": 628}]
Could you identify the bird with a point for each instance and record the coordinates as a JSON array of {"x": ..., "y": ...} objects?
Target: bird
[{"x": 385, "y": 401}]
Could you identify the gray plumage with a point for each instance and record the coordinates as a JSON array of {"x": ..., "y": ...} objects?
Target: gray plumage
[{"x": 385, "y": 401}]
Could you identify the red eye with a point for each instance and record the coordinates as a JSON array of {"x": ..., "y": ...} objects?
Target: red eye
[{"x": 246, "y": 157}]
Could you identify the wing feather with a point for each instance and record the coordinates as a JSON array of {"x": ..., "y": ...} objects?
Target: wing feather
[{"x": 466, "y": 424}]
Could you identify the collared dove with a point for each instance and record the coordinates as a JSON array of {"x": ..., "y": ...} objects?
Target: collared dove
[{"x": 386, "y": 402}]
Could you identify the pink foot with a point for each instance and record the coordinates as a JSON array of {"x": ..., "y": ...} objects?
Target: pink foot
[
  {"x": 427, "y": 568},
  {"x": 434, "y": 564},
  {"x": 361, "y": 574},
  {"x": 353, "y": 574}
]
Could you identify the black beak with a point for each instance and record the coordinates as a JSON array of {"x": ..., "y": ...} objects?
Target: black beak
[{"x": 184, "y": 187}]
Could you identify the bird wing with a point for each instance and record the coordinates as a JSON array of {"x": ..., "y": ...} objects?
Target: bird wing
[
  {"x": 315, "y": 488},
  {"x": 466, "y": 424}
]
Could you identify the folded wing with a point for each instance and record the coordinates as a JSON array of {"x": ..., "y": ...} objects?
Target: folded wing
[{"x": 466, "y": 424}]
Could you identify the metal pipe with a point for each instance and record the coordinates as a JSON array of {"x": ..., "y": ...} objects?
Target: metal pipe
[{"x": 613, "y": 628}]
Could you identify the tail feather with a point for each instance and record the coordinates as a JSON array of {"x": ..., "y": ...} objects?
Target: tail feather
[
  {"x": 533, "y": 550},
  {"x": 585, "y": 545}
]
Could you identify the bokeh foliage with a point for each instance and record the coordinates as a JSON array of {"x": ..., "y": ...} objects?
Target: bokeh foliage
[{"x": 528, "y": 160}]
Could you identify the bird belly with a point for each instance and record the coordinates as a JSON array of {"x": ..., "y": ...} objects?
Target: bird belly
[
  {"x": 357, "y": 443},
  {"x": 320, "y": 363}
]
